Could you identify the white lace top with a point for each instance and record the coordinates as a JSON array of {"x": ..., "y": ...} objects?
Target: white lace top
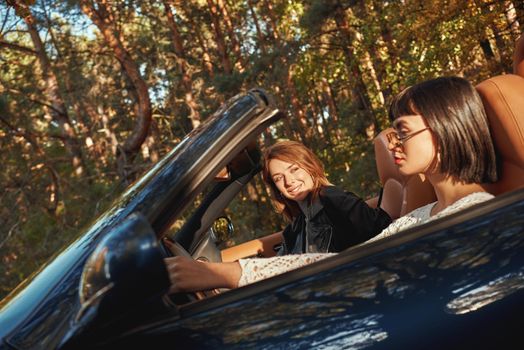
[{"x": 258, "y": 269}]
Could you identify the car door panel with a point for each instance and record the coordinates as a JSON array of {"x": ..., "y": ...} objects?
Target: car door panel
[
  {"x": 266, "y": 247},
  {"x": 437, "y": 284}
]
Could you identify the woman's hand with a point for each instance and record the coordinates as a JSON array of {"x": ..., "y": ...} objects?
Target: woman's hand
[{"x": 188, "y": 275}]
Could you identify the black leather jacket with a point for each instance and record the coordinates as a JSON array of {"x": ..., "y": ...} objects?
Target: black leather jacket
[{"x": 335, "y": 221}]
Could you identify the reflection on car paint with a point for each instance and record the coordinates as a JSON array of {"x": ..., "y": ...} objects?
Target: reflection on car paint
[
  {"x": 487, "y": 294},
  {"x": 360, "y": 336},
  {"x": 380, "y": 297}
]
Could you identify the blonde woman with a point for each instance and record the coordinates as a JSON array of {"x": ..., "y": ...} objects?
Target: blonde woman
[{"x": 323, "y": 218}]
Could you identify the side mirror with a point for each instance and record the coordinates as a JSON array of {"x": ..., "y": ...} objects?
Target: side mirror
[
  {"x": 222, "y": 229},
  {"x": 124, "y": 271}
]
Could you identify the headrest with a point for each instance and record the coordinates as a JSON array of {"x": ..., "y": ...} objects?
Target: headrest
[
  {"x": 503, "y": 98},
  {"x": 518, "y": 57},
  {"x": 401, "y": 194}
]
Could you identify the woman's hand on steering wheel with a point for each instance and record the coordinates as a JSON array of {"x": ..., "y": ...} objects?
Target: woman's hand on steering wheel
[{"x": 188, "y": 275}]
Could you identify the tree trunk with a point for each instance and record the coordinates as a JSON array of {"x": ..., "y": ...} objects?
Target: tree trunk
[
  {"x": 327, "y": 96},
  {"x": 54, "y": 188},
  {"x": 504, "y": 56},
  {"x": 261, "y": 39},
  {"x": 487, "y": 49},
  {"x": 519, "y": 12},
  {"x": 187, "y": 82},
  {"x": 373, "y": 62},
  {"x": 219, "y": 38},
  {"x": 485, "y": 45},
  {"x": 206, "y": 57},
  {"x": 303, "y": 127},
  {"x": 330, "y": 100},
  {"x": 134, "y": 141},
  {"x": 78, "y": 105},
  {"x": 273, "y": 20},
  {"x": 239, "y": 65},
  {"x": 359, "y": 89},
  {"x": 511, "y": 17},
  {"x": 290, "y": 89},
  {"x": 57, "y": 109},
  {"x": 326, "y": 125},
  {"x": 392, "y": 51}
]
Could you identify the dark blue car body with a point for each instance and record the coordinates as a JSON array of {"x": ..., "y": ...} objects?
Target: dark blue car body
[{"x": 456, "y": 282}]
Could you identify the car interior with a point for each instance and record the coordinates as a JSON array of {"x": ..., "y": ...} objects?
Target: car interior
[
  {"x": 207, "y": 224},
  {"x": 207, "y": 227}
]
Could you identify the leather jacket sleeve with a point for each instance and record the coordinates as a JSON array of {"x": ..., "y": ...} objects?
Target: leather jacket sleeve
[
  {"x": 284, "y": 250},
  {"x": 354, "y": 221}
]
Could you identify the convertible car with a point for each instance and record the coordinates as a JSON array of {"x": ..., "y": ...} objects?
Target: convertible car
[{"x": 455, "y": 282}]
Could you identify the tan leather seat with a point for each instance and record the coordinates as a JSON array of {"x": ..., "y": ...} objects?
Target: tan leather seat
[
  {"x": 401, "y": 194},
  {"x": 518, "y": 57},
  {"x": 503, "y": 98}
]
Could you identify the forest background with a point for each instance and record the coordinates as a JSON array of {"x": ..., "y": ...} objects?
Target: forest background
[{"x": 93, "y": 92}]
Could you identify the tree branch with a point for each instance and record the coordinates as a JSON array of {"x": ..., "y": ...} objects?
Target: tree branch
[
  {"x": 21, "y": 93},
  {"x": 5, "y": 44},
  {"x": 5, "y": 20},
  {"x": 9, "y": 234}
]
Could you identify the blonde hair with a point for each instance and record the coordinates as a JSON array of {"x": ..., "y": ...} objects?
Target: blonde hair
[{"x": 295, "y": 153}]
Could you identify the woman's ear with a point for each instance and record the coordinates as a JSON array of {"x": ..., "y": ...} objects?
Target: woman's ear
[{"x": 437, "y": 159}]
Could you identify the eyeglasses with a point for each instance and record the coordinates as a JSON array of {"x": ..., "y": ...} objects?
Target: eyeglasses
[{"x": 398, "y": 141}]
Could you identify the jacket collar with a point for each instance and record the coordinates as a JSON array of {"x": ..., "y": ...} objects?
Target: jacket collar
[{"x": 312, "y": 209}]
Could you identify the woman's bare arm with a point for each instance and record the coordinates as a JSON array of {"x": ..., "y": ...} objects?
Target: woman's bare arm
[{"x": 188, "y": 275}]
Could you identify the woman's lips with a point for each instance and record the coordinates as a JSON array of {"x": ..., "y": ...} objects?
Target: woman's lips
[
  {"x": 398, "y": 159},
  {"x": 294, "y": 189}
]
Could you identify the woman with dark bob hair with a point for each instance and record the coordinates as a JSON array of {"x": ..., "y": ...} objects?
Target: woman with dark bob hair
[
  {"x": 454, "y": 114},
  {"x": 441, "y": 131}
]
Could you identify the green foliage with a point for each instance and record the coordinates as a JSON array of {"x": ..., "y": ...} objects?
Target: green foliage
[
  {"x": 318, "y": 11},
  {"x": 226, "y": 84},
  {"x": 317, "y": 67}
]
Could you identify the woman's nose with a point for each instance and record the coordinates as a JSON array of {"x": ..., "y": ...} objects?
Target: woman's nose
[
  {"x": 288, "y": 180},
  {"x": 391, "y": 146},
  {"x": 394, "y": 145}
]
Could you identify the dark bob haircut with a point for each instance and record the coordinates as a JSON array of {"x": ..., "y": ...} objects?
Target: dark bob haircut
[{"x": 455, "y": 114}]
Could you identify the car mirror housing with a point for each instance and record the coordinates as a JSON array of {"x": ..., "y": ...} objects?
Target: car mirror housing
[
  {"x": 125, "y": 269},
  {"x": 222, "y": 229}
]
